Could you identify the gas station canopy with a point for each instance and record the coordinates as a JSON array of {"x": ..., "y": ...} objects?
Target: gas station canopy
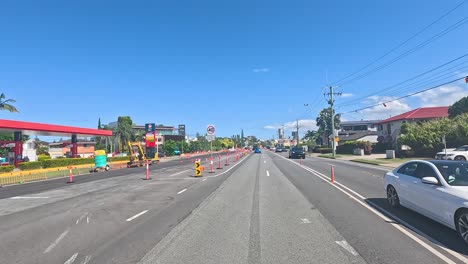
[{"x": 40, "y": 129}]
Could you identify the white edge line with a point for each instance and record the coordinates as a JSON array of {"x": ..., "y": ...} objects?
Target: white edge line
[
  {"x": 137, "y": 215},
  {"x": 268, "y": 173},
  {"x": 72, "y": 259},
  {"x": 182, "y": 191},
  {"x": 28, "y": 197},
  {"x": 55, "y": 243},
  {"x": 397, "y": 226},
  {"x": 347, "y": 246}
]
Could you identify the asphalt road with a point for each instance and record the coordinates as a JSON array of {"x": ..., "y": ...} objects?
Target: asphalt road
[{"x": 262, "y": 209}]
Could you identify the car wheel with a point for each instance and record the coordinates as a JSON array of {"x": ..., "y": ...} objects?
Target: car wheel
[
  {"x": 460, "y": 158},
  {"x": 392, "y": 197},
  {"x": 462, "y": 224},
  {"x": 107, "y": 167}
]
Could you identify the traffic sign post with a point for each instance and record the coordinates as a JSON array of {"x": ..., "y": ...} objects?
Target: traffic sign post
[{"x": 198, "y": 172}]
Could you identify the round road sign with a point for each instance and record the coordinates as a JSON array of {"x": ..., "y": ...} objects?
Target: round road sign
[{"x": 210, "y": 130}]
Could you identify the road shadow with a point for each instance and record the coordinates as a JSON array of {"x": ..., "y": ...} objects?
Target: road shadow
[{"x": 440, "y": 233}]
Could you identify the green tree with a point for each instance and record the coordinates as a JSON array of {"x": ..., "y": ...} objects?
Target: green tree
[
  {"x": 169, "y": 147},
  {"x": 459, "y": 107},
  {"x": 124, "y": 132},
  {"x": 425, "y": 138},
  {"x": 5, "y": 104},
  {"x": 324, "y": 122}
]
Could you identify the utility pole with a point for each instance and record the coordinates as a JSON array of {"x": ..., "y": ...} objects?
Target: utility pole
[
  {"x": 331, "y": 102},
  {"x": 297, "y": 132}
]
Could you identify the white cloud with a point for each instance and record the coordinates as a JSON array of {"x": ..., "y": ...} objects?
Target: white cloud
[
  {"x": 261, "y": 70},
  {"x": 347, "y": 95},
  {"x": 304, "y": 124},
  {"x": 443, "y": 96},
  {"x": 383, "y": 112}
]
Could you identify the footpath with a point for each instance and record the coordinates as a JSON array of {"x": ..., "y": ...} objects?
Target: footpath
[{"x": 373, "y": 159}]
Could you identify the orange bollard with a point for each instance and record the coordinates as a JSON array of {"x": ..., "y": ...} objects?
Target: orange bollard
[{"x": 70, "y": 176}]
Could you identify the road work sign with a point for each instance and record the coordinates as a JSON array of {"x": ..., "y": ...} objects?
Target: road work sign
[{"x": 198, "y": 169}]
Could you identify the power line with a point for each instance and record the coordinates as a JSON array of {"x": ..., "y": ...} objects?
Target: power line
[
  {"x": 401, "y": 44},
  {"x": 408, "y": 95},
  {"x": 407, "y": 80},
  {"x": 410, "y": 51}
]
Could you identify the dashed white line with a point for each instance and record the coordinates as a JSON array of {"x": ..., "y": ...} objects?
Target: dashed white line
[
  {"x": 205, "y": 179},
  {"x": 55, "y": 243},
  {"x": 86, "y": 260},
  {"x": 137, "y": 215},
  {"x": 72, "y": 259},
  {"x": 180, "y": 172},
  {"x": 28, "y": 197},
  {"x": 268, "y": 173},
  {"x": 305, "y": 221},
  {"x": 347, "y": 246},
  {"x": 264, "y": 161},
  {"x": 81, "y": 218},
  {"x": 87, "y": 219},
  {"x": 182, "y": 191}
]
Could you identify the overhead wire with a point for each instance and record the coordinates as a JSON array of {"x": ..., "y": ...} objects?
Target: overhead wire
[
  {"x": 405, "y": 96},
  {"x": 401, "y": 44},
  {"x": 389, "y": 88}
]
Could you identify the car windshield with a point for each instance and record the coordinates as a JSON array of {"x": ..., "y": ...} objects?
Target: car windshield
[
  {"x": 463, "y": 148},
  {"x": 454, "y": 173},
  {"x": 296, "y": 149}
]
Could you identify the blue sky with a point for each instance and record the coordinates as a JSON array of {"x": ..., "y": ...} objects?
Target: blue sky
[{"x": 234, "y": 64}]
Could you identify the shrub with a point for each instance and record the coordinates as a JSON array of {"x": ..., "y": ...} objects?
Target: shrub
[
  {"x": 43, "y": 157},
  {"x": 54, "y": 163},
  {"x": 8, "y": 168},
  {"x": 324, "y": 150},
  {"x": 118, "y": 158},
  {"x": 349, "y": 146},
  {"x": 32, "y": 165}
]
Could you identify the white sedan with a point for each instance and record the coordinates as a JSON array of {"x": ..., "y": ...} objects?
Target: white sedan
[{"x": 437, "y": 189}]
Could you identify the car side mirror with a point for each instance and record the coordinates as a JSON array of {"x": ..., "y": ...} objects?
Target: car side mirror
[{"x": 430, "y": 180}]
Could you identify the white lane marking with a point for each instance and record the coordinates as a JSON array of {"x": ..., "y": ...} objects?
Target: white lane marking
[
  {"x": 137, "y": 215},
  {"x": 72, "y": 259},
  {"x": 28, "y": 197},
  {"x": 392, "y": 222},
  {"x": 55, "y": 243},
  {"x": 81, "y": 218},
  {"x": 305, "y": 221},
  {"x": 182, "y": 191},
  {"x": 348, "y": 247},
  {"x": 264, "y": 161},
  {"x": 180, "y": 172},
  {"x": 86, "y": 260},
  {"x": 87, "y": 219},
  {"x": 205, "y": 179},
  {"x": 268, "y": 173}
]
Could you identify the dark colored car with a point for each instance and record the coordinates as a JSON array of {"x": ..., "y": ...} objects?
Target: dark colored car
[
  {"x": 257, "y": 150},
  {"x": 296, "y": 153},
  {"x": 161, "y": 154}
]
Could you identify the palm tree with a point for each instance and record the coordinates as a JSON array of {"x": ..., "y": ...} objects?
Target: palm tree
[{"x": 5, "y": 104}]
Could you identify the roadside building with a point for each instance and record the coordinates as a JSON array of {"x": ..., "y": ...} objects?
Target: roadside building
[
  {"x": 62, "y": 148},
  {"x": 389, "y": 129},
  {"x": 363, "y": 130}
]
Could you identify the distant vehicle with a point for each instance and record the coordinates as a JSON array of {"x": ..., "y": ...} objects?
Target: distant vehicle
[
  {"x": 272, "y": 148},
  {"x": 257, "y": 150},
  {"x": 176, "y": 152},
  {"x": 285, "y": 150},
  {"x": 437, "y": 189},
  {"x": 161, "y": 154},
  {"x": 460, "y": 153},
  {"x": 278, "y": 149},
  {"x": 296, "y": 153}
]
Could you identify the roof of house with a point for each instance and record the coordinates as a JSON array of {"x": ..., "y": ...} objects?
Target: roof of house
[{"x": 420, "y": 113}]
